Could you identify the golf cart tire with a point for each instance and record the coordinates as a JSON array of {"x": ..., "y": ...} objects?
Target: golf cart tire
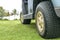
[
  {"x": 50, "y": 19},
  {"x": 24, "y": 21}
]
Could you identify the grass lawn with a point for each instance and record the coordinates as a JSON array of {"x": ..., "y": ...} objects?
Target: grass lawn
[{"x": 14, "y": 30}]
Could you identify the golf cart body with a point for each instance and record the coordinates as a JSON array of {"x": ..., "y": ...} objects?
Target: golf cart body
[
  {"x": 47, "y": 16},
  {"x": 56, "y": 4},
  {"x": 29, "y": 6}
]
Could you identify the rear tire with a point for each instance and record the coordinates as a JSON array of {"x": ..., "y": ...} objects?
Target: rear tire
[
  {"x": 51, "y": 25},
  {"x": 24, "y": 21}
]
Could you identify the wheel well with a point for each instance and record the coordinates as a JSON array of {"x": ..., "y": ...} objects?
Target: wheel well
[{"x": 35, "y": 3}]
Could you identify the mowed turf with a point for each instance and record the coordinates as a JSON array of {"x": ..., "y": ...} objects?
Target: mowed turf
[{"x": 14, "y": 30}]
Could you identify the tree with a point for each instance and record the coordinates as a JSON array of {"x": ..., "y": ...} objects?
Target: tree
[
  {"x": 1, "y": 12},
  {"x": 6, "y": 13},
  {"x": 14, "y": 11}
]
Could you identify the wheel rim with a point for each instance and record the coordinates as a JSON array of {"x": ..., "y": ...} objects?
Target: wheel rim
[
  {"x": 21, "y": 18},
  {"x": 40, "y": 22}
]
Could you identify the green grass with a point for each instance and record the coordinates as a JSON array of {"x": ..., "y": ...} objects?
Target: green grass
[{"x": 14, "y": 30}]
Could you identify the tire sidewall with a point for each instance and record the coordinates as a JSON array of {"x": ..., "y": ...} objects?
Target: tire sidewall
[{"x": 40, "y": 9}]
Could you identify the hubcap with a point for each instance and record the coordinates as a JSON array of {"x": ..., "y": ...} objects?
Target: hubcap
[{"x": 40, "y": 22}]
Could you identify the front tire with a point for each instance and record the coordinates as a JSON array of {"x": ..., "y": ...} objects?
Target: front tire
[{"x": 46, "y": 20}]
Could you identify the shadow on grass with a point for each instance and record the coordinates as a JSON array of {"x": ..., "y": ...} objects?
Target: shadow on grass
[
  {"x": 4, "y": 20},
  {"x": 32, "y": 25}
]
